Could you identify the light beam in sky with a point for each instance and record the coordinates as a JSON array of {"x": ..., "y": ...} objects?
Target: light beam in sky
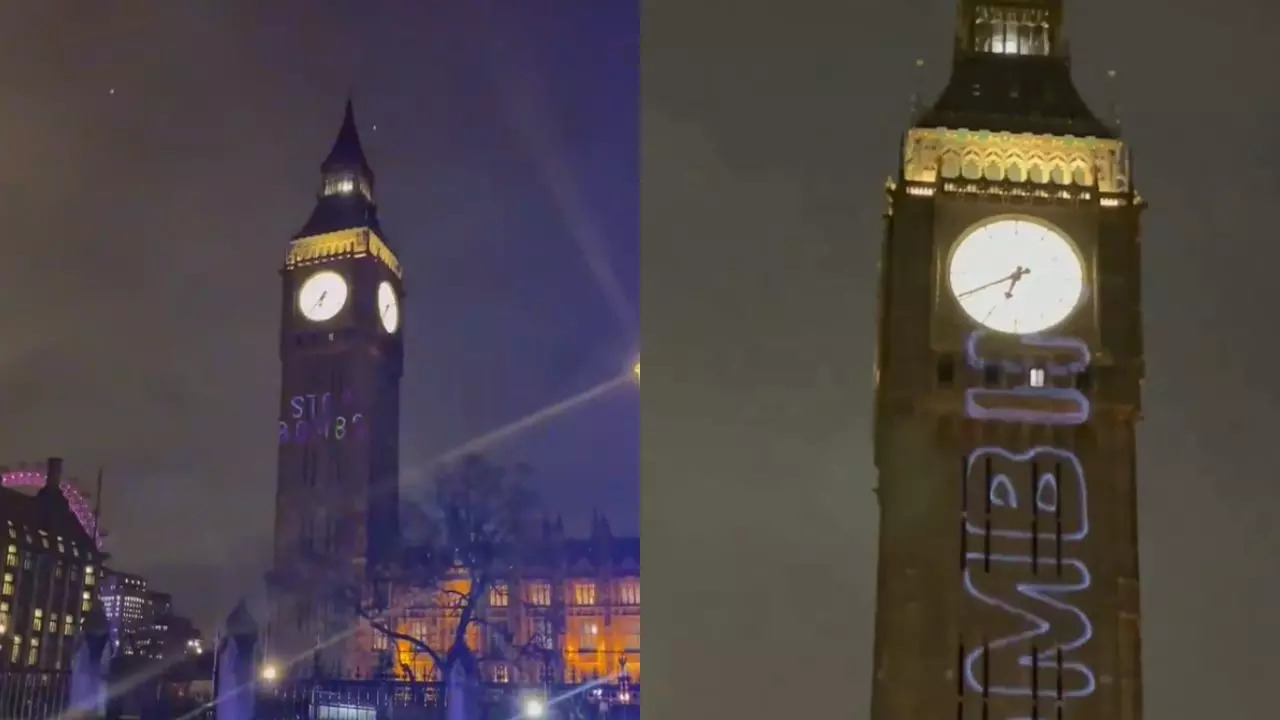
[{"x": 537, "y": 417}]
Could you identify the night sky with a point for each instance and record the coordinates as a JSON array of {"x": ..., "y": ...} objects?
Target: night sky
[
  {"x": 154, "y": 164},
  {"x": 767, "y": 140}
]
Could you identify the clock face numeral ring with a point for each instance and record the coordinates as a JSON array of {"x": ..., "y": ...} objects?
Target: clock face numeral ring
[{"x": 1016, "y": 275}]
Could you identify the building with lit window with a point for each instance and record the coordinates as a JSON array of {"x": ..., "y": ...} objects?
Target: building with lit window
[
  {"x": 50, "y": 570},
  {"x": 575, "y": 602},
  {"x": 167, "y": 636},
  {"x": 127, "y": 605}
]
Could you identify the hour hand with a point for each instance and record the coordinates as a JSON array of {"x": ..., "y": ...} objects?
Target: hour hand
[{"x": 1017, "y": 275}]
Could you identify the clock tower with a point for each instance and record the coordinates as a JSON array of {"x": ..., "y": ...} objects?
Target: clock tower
[
  {"x": 1008, "y": 376},
  {"x": 341, "y": 355}
]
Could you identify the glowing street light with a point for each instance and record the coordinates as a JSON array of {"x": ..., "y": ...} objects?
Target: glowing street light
[
  {"x": 635, "y": 370},
  {"x": 269, "y": 673},
  {"x": 533, "y": 708}
]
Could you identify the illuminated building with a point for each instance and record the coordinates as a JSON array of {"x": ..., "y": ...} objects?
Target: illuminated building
[
  {"x": 167, "y": 636},
  {"x": 126, "y": 603},
  {"x": 1008, "y": 383},
  {"x": 578, "y": 600},
  {"x": 50, "y": 572},
  {"x": 337, "y": 483},
  {"x": 162, "y": 633}
]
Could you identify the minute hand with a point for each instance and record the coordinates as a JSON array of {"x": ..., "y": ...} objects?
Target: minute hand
[{"x": 1012, "y": 277}]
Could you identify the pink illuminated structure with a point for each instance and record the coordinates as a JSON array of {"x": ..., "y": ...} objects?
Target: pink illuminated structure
[{"x": 79, "y": 504}]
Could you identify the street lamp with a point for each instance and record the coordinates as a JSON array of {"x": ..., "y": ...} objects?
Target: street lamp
[
  {"x": 534, "y": 708},
  {"x": 635, "y": 370},
  {"x": 269, "y": 673}
]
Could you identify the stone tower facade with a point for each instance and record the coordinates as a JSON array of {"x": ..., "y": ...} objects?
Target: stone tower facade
[
  {"x": 1008, "y": 379},
  {"x": 341, "y": 354}
]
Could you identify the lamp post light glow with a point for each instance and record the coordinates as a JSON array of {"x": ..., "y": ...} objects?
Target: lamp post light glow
[
  {"x": 269, "y": 673},
  {"x": 534, "y": 708},
  {"x": 635, "y": 370}
]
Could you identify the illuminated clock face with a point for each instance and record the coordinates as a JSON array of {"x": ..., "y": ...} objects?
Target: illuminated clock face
[
  {"x": 322, "y": 296},
  {"x": 388, "y": 307},
  {"x": 1016, "y": 275}
]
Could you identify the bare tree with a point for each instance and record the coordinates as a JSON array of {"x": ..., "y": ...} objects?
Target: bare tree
[{"x": 477, "y": 518}]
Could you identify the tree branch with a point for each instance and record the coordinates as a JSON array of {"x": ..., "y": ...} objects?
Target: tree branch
[{"x": 396, "y": 635}]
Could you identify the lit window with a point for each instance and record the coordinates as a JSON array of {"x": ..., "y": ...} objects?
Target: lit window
[
  {"x": 1036, "y": 379},
  {"x": 34, "y": 655},
  {"x": 7, "y": 587},
  {"x": 11, "y": 557},
  {"x": 379, "y": 640},
  {"x": 539, "y": 593},
  {"x": 499, "y": 595},
  {"x": 629, "y": 592},
  {"x": 584, "y": 593},
  {"x": 590, "y": 636},
  {"x": 17, "y": 649},
  {"x": 342, "y": 185},
  {"x": 1011, "y": 31},
  {"x": 4, "y": 617},
  {"x": 37, "y": 621},
  {"x": 501, "y": 674}
]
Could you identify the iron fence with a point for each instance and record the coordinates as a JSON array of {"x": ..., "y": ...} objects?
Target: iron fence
[
  {"x": 375, "y": 700},
  {"x": 29, "y": 694}
]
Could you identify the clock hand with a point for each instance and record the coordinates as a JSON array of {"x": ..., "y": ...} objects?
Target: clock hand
[
  {"x": 1013, "y": 278},
  {"x": 993, "y": 283},
  {"x": 320, "y": 300},
  {"x": 1017, "y": 275}
]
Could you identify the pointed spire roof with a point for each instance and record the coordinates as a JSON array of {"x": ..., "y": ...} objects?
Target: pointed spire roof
[
  {"x": 240, "y": 621},
  {"x": 347, "y": 152}
]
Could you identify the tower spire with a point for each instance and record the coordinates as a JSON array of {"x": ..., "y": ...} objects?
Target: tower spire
[
  {"x": 346, "y": 198},
  {"x": 347, "y": 153}
]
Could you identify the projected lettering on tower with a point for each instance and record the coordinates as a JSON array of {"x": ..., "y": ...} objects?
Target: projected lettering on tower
[
  {"x": 1047, "y": 405},
  {"x": 319, "y": 416},
  {"x": 1024, "y": 516}
]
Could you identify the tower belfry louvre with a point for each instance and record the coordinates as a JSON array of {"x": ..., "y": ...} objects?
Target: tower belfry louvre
[{"x": 1008, "y": 390}]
